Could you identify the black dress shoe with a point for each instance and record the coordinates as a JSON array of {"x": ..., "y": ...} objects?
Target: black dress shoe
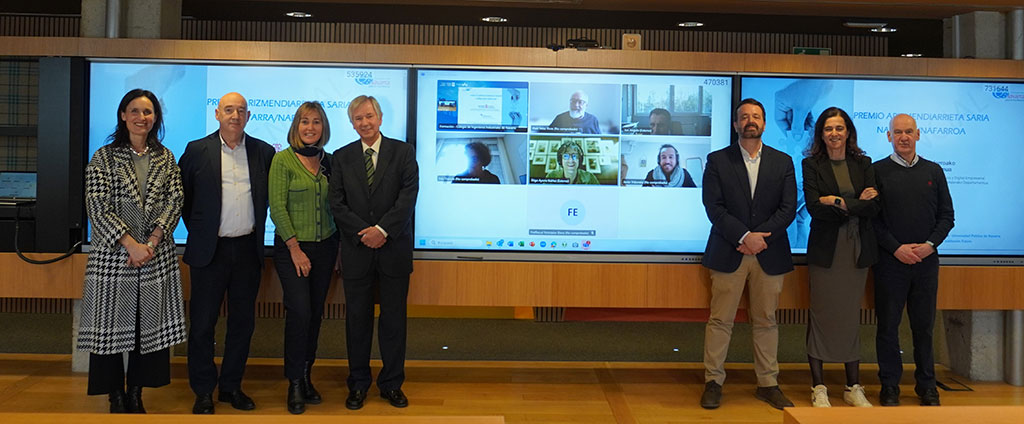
[
  {"x": 712, "y": 397},
  {"x": 773, "y": 396},
  {"x": 133, "y": 400},
  {"x": 203, "y": 405},
  {"x": 238, "y": 400},
  {"x": 889, "y": 396},
  {"x": 395, "y": 397},
  {"x": 355, "y": 399},
  {"x": 308, "y": 391},
  {"x": 930, "y": 397},
  {"x": 296, "y": 403},
  {"x": 117, "y": 402}
]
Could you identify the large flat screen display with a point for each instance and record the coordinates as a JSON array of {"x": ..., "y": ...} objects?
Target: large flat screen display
[
  {"x": 189, "y": 94},
  {"x": 565, "y": 161},
  {"x": 970, "y": 128}
]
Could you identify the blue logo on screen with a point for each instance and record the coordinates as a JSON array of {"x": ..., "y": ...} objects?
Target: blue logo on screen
[
  {"x": 361, "y": 77},
  {"x": 572, "y": 212},
  {"x": 1000, "y": 92}
]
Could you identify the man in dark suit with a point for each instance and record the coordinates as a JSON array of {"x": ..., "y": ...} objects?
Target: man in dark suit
[
  {"x": 225, "y": 179},
  {"x": 372, "y": 194},
  {"x": 750, "y": 197}
]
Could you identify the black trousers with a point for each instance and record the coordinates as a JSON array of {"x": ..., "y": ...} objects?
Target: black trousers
[
  {"x": 914, "y": 286},
  {"x": 391, "y": 332},
  {"x": 234, "y": 270},
  {"x": 106, "y": 372},
  {"x": 304, "y": 299}
]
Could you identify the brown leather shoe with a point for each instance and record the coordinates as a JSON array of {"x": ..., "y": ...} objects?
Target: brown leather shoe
[
  {"x": 712, "y": 397},
  {"x": 773, "y": 396}
]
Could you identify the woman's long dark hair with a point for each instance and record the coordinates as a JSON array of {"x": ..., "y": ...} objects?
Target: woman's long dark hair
[
  {"x": 818, "y": 148},
  {"x": 119, "y": 138}
]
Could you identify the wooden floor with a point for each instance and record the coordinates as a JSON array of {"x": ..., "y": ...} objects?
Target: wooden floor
[{"x": 521, "y": 392}]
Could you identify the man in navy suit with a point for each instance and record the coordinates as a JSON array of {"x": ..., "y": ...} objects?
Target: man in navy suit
[
  {"x": 372, "y": 194},
  {"x": 750, "y": 197},
  {"x": 225, "y": 179}
]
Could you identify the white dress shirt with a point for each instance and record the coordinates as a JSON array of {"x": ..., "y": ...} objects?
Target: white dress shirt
[
  {"x": 753, "y": 164},
  {"x": 237, "y": 217}
]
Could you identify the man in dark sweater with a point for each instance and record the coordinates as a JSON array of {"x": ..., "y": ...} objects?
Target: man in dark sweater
[{"x": 916, "y": 216}]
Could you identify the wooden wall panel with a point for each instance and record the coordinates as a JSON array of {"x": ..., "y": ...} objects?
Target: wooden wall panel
[
  {"x": 39, "y": 46},
  {"x": 505, "y": 283},
  {"x": 434, "y": 283},
  {"x": 458, "y": 283},
  {"x": 317, "y": 52},
  {"x": 794, "y": 290},
  {"x": 604, "y": 59},
  {"x": 986, "y": 68},
  {"x": 722, "y": 62},
  {"x": 678, "y": 286},
  {"x": 599, "y": 285},
  {"x": 981, "y": 288},
  {"x": 447, "y": 55},
  {"x": 222, "y": 50},
  {"x": 129, "y": 47},
  {"x": 790, "y": 64},
  {"x": 882, "y": 66},
  {"x": 22, "y": 279}
]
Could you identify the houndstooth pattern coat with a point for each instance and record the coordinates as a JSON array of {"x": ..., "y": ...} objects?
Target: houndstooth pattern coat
[{"x": 114, "y": 291}]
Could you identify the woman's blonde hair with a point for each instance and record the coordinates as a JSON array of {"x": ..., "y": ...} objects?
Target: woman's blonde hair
[{"x": 294, "y": 139}]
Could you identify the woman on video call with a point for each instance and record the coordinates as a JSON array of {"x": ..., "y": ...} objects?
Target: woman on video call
[{"x": 570, "y": 158}]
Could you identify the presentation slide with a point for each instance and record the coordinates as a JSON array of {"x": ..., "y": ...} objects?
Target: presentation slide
[
  {"x": 189, "y": 94},
  {"x": 966, "y": 127},
  {"x": 565, "y": 161}
]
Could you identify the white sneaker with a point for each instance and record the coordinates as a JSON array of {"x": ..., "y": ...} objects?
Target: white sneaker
[
  {"x": 819, "y": 397},
  {"x": 854, "y": 395}
]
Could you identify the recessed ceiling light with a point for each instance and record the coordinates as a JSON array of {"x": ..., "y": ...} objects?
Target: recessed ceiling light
[
  {"x": 691, "y": 24},
  {"x": 911, "y": 55},
  {"x": 298, "y": 14},
  {"x": 865, "y": 25},
  {"x": 494, "y": 19},
  {"x": 883, "y": 29}
]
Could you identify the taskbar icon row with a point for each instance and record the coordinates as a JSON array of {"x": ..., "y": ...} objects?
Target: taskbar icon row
[
  {"x": 504, "y": 244},
  {"x": 542, "y": 244}
]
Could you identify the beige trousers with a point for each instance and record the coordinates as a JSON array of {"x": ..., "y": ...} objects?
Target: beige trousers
[{"x": 726, "y": 291}]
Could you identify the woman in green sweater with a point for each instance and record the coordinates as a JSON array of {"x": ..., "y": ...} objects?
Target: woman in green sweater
[{"x": 305, "y": 244}]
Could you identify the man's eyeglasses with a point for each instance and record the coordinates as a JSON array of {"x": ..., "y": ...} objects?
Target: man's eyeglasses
[{"x": 570, "y": 156}]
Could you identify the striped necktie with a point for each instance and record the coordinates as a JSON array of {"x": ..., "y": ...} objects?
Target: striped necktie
[{"x": 368, "y": 161}]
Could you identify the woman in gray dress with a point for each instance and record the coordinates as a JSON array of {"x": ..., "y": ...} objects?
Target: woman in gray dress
[
  {"x": 839, "y": 185},
  {"x": 131, "y": 301}
]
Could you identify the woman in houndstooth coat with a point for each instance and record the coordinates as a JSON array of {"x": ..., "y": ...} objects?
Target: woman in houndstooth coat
[{"x": 132, "y": 300}]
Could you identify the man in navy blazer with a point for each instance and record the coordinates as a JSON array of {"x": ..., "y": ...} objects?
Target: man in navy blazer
[
  {"x": 372, "y": 194},
  {"x": 750, "y": 197},
  {"x": 225, "y": 179}
]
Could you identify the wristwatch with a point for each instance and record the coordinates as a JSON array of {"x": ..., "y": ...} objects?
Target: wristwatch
[{"x": 838, "y": 201}]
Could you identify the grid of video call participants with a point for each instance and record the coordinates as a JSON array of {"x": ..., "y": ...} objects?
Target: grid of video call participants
[{"x": 522, "y": 132}]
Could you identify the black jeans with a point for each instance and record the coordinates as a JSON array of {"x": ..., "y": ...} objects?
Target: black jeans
[
  {"x": 304, "y": 299},
  {"x": 916, "y": 287},
  {"x": 235, "y": 271}
]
